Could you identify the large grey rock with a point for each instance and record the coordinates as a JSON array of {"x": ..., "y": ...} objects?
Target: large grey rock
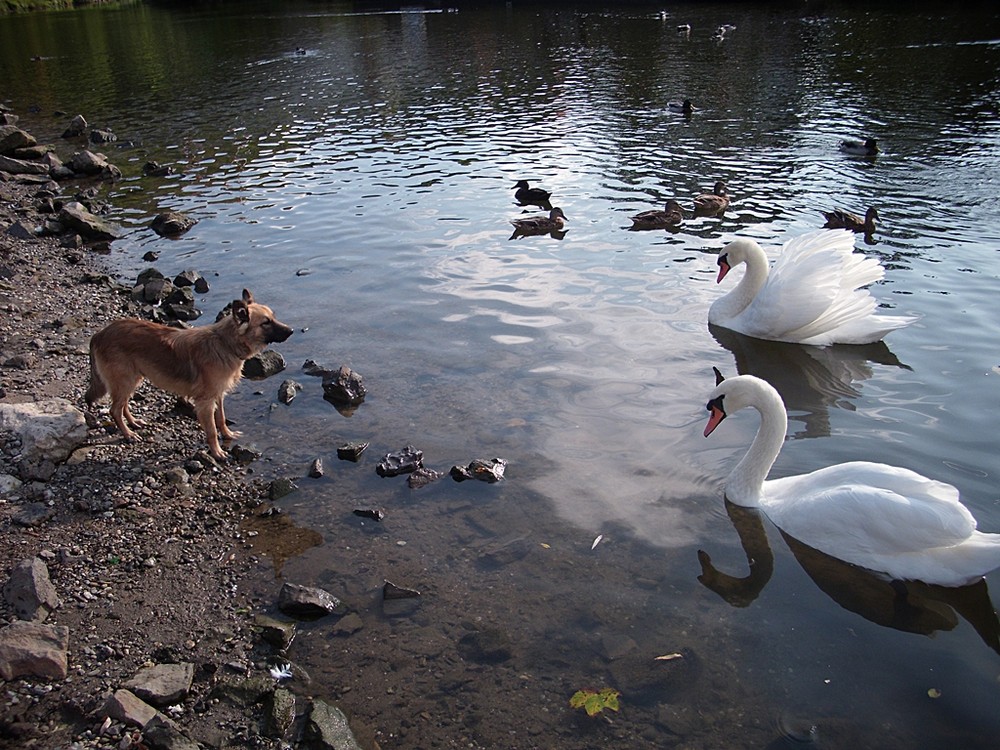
[
  {"x": 13, "y": 138},
  {"x": 125, "y": 706},
  {"x": 9, "y": 484},
  {"x": 306, "y": 601},
  {"x": 263, "y": 365},
  {"x": 74, "y": 216},
  {"x": 162, "y": 684},
  {"x": 11, "y": 165},
  {"x": 35, "y": 650},
  {"x": 92, "y": 164},
  {"x": 30, "y": 592},
  {"x": 162, "y": 734},
  {"x": 49, "y": 430},
  {"x": 327, "y": 728},
  {"x": 280, "y": 713},
  {"x": 172, "y": 224}
]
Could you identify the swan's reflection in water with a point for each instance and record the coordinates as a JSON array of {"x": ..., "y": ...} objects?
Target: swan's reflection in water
[
  {"x": 810, "y": 379},
  {"x": 909, "y": 606}
]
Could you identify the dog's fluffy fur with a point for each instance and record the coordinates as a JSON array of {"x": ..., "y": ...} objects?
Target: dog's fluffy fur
[{"x": 203, "y": 363}]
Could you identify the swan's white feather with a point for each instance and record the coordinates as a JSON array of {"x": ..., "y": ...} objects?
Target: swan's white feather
[
  {"x": 885, "y": 518},
  {"x": 813, "y": 294}
]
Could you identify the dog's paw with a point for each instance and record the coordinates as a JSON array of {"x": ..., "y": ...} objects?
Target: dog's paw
[{"x": 232, "y": 434}]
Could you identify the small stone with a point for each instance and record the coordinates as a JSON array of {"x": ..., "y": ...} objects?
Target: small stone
[
  {"x": 351, "y": 451},
  {"x": 287, "y": 391},
  {"x": 316, "y": 468}
]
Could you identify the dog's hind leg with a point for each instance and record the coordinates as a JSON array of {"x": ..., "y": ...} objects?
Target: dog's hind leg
[
  {"x": 121, "y": 393},
  {"x": 96, "y": 390}
]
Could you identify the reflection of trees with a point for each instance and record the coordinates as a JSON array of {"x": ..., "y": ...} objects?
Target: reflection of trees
[
  {"x": 909, "y": 606},
  {"x": 810, "y": 379}
]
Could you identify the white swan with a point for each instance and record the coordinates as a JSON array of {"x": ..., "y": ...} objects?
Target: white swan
[
  {"x": 883, "y": 518},
  {"x": 811, "y": 295}
]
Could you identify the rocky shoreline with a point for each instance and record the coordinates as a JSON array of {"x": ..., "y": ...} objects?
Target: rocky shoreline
[{"x": 123, "y": 623}]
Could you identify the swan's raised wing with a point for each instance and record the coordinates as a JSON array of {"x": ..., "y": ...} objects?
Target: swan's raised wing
[{"x": 810, "y": 289}]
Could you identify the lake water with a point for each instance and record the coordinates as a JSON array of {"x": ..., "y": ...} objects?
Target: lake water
[{"x": 355, "y": 169}]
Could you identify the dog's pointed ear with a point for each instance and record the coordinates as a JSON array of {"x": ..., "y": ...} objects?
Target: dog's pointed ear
[
  {"x": 247, "y": 297},
  {"x": 718, "y": 375},
  {"x": 241, "y": 313}
]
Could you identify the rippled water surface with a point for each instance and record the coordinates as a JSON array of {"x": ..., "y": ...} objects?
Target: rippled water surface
[{"x": 356, "y": 170}]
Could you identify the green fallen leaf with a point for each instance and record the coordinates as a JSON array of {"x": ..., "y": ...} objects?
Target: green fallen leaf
[{"x": 594, "y": 702}]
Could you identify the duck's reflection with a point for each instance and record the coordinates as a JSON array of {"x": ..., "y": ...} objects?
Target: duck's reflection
[
  {"x": 910, "y": 606},
  {"x": 810, "y": 379}
]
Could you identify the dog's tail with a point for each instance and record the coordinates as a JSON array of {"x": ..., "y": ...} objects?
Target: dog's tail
[{"x": 97, "y": 388}]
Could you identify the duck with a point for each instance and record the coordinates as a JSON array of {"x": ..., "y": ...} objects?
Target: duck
[
  {"x": 845, "y": 220},
  {"x": 714, "y": 203},
  {"x": 670, "y": 216},
  {"x": 887, "y": 519},
  {"x": 540, "y": 224},
  {"x": 812, "y": 294},
  {"x": 868, "y": 147},
  {"x": 527, "y": 194},
  {"x": 680, "y": 107}
]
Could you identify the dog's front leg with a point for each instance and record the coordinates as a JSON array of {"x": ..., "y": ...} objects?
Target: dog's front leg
[
  {"x": 220, "y": 421},
  {"x": 206, "y": 418}
]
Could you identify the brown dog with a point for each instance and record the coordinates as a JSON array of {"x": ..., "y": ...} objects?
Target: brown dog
[{"x": 203, "y": 364}]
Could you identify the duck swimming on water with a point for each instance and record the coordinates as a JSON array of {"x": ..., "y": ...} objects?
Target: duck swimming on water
[
  {"x": 526, "y": 194},
  {"x": 868, "y": 147},
  {"x": 839, "y": 219}
]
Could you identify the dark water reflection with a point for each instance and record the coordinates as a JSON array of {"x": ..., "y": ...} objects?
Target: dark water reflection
[{"x": 380, "y": 165}]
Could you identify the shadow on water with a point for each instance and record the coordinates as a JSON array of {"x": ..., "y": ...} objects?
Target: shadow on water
[{"x": 908, "y": 606}]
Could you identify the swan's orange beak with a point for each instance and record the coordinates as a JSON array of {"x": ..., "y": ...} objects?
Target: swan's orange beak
[
  {"x": 714, "y": 418},
  {"x": 724, "y": 268}
]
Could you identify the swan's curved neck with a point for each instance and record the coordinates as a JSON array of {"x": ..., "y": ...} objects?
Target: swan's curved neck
[
  {"x": 754, "y": 277},
  {"x": 745, "y": 485}
]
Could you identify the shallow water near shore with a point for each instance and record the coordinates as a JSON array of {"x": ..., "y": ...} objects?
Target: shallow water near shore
[{"x": 356, "y": 171}]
